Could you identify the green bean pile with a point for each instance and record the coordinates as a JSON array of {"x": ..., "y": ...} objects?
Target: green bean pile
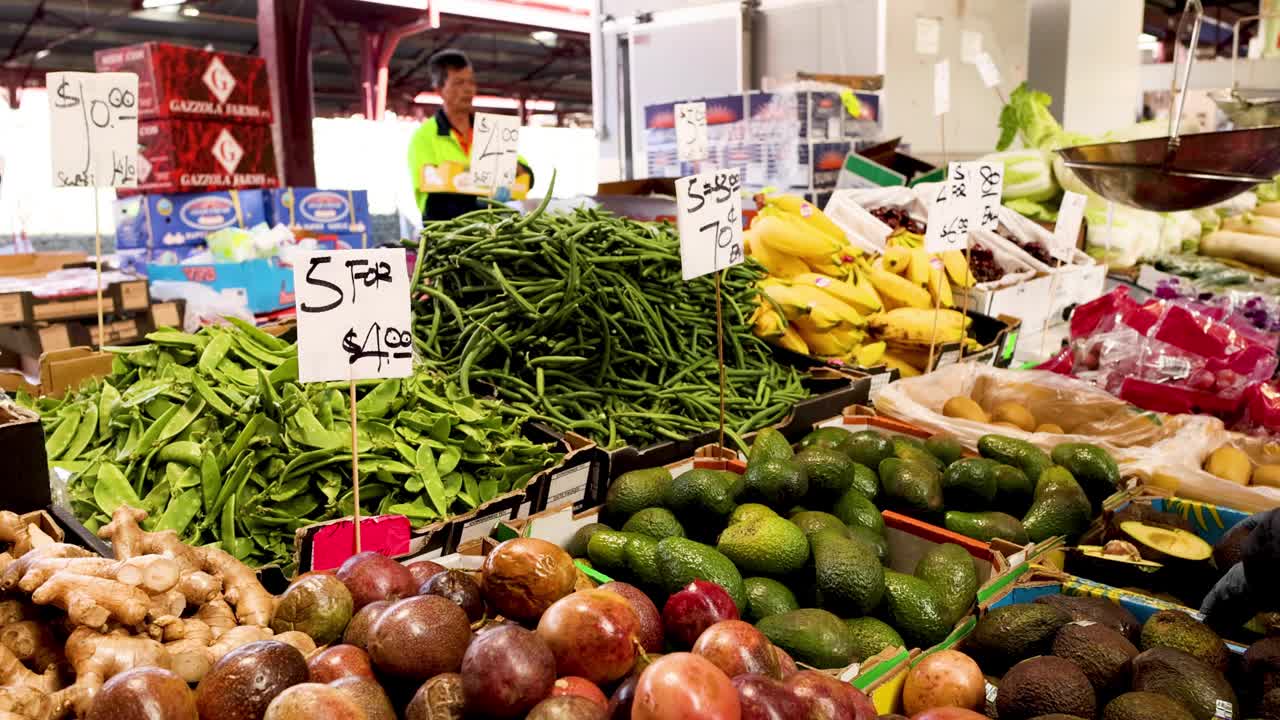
[
  {"x": 213, "y": 435},
  {"x": 582, "y": 320}
]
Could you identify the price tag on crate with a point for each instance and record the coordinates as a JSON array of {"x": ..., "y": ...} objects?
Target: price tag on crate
[
  {"x": 93, "y": 123},
  {"x": 987, "y": 70},
  {"x": 988, "y": 179},
  {"x": 691, "y": 131},
  {"x": 1067, "y": 229},
  {"x": 942, "y": 87},
  {"x": 353, "y": 315},
  {"x": 710, "y": 222},
  {"x": 493, "y": 150},
  {"x": 956, "y": 209}
]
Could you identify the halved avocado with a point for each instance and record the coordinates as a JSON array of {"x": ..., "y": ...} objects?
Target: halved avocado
[
  {"x": 1110, "y": 565},
  {"x": 1161, "y": 543}
]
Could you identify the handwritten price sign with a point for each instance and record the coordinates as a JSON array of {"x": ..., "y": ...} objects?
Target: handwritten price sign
[
  {"x": 954, "y": 211},
  {"x": 93, "y": 122},
  {"x": 989, "y": 178},
  {"x": 691, "y": 131},
  {"x": 493, "y": 150},
  {"x": 710, "y": 222},
  {"x": 353, "y": 315}
]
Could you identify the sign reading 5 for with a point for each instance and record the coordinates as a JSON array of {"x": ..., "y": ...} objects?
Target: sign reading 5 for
[
  {"x": 710, "y": 222},
  {"x": 353, "y": 315}
]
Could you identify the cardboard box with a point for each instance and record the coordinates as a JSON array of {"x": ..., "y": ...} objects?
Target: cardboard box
[
  {"x": 265, "y": 284},
  {"x": 21, "y": 307},
  {"x": 181, "y": 156},
  {"x": 323, "y": 211},
  {"x": 152, "y": 221},
  {"x": 184, "y": 82},
  {"x": 38, "y": 264},
  {"x": 26, "y": 486}
]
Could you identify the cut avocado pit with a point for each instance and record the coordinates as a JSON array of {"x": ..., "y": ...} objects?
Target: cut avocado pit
[
  {"x": 1113, "y": 568},
  {"x": 1161, "y": 542}
]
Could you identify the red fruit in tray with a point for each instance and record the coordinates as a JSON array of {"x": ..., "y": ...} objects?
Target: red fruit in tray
[
  {"x": 737, "y": 648},
  {"x": 593, "y": 634},
  {"x": 786, "y": 665},
  {"x": 764, "y": 698},
  {"x": 581, "y": 687},
  {"x": 646, "y": 611},
  {"x": 829, "y": 697},
  {"x": 697, "y": 607},
  {"x": 683, "y": 685}
]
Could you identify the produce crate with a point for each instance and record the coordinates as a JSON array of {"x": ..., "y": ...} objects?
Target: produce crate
[
  {"x": 325, "y": 545},
  {"x": 22, "y": 307},
  {"x": 27, "y": 468}
]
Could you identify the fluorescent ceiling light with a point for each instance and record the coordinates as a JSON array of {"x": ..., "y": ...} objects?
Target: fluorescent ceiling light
[
  {"x": 565, "y": 15},
  {"x": 411, "y": 4},
  {"x": 492, "y": 103},
  {"x": 191, "y": 12},
  {"x": 149, "y": 4},
  {"x": 544, "y": 37},
  {"x": 42, "y": 54}
]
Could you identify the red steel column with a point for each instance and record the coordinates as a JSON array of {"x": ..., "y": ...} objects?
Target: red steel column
[{"x": 284, "y": 39}]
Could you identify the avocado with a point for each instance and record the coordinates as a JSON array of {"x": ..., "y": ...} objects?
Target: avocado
[
  {"x": 607, "y": 549},
  {"x": 1042, "y": 686},
  {"x": 1106, "y": 565},
  {"x": 986, "y": 526},
  {"x": 1102, "y": 653},
  {"x": 830, "y": 473},
  {"x": 699, "y": 493},
  {"x": 911, "y": 487},
  {"x": 1178, "y": 630},
  {"x": 634, "y": 491},
  {"x": 1028, "y": 458},
  {"x": 1092, "y": 467},
  {"x": 1013, "y": 489},
  {"x": 1098, "y": 610},
  {"x": 1010, "y": 633},
  {"x": 655, "y": 522},
  {"x": 878, "y": 543},
  {"x": 871, "y": 637},
  {"x": 641, "y": 558},
  {"x": 847, "y": 574},
  {"x": 776, "y": 483},
  {"x": 1165, "y": 543},
  {"x": 577, "y": 546},
  {"x": 765, "y": 597},
  {"x": 869, "y": 448},
  {"x": 769, "y": 444},
  {"x": 813, "y": 637},
  {"x": 831, "y": 437},
  {"x": 944, "y": 447},
  {"x": 915, "y": 608},
  {"x": 855, "y": 510},
  {"x": 913, "y": 450},
  {"x": 1199, "y": 688},
  {"x": 949, "y": 569},
  {"x": 765, "y": 546},
  {"x": 970, "y": 484},
  {"x": 1262, "y": 666},
  {"x": 812, "y": 521},
  {"x": 750, "y": 511},
  {"x": 681, "y": 561},
  {"x": 1144, "y": 706},
  {"x": 1059, "y": 507}
]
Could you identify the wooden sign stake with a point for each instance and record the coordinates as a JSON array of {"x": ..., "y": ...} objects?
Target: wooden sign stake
[
  {"x": 964, "y": 303},
  {"x": 937, "y": 308},
  {"x": 720, "y": 351},
  {"x": 97, "y": 257},
  {"x": 355, "y": 464}
]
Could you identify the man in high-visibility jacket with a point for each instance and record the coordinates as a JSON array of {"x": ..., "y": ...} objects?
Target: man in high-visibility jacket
[{"x": 445, "y": 140}]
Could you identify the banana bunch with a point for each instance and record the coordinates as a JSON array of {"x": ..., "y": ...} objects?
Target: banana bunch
[
  {"x": 790, "y": 236},
  {"x": 815, "y": 314},
  {"x": 908, "y": 333}
]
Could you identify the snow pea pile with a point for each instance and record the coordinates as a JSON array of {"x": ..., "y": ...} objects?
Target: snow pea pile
[
  {"x": 214, "y": 436},
  {"x": 583, "y": 321}
]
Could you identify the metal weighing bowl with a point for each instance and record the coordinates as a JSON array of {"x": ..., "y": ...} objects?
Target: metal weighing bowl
[
  {"x": 1203, "y": 169},
  {"x": 1249, "y": 108}
]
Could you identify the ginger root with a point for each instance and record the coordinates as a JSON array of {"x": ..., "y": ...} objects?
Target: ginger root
[
  {"x": 237, "y": 637},
  {"x": 18, "y": 532},
  {"x": 153, "y": 573},
  {"x": 33, "y": 643},
  {"x": 93, "y": 601},
  {"x": 189, "y": 653},
  {"x": 199, "y": 587},
  {"x": 14, "y": 572},
  {"x": 252, "y": 603},
  {"x": 299, "y": 640},
  {"x": 96, "y": 658},
  {"x": 218, "y": 616},
  {"x": 14, "y": 674},
  {"x": 24, "y": 703}
]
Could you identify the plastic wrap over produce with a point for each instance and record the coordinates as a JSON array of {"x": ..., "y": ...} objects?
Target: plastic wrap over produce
[
  {"x": 1083, "y": 411},
  {"x": 1186, "y": 477}
]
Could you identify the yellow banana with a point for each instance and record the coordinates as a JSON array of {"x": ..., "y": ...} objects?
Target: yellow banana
[
  {"x": 957, "y": 268},
  {"x": 919, "y": 326},
  {"x": 789, "y": 235},
  {"x": 940, "y": 287},
  {"x": 918, "y": 270},
  {"x": 896, "y": 259},
  {"x": 792, "y": 302},
  {"x": 870, "y": 355},
  {"x": 778, "y": 264},
  {"x": 832, "y": 265},
  {"x": 767, "y": 322},
  {"x": 830, "y": 343},
  {"x": 898, "y": 290},
  {"x": 864, "y": 286},
  {"x": 910, "y": 239},
  {"x": 857, "y": 298},
  {"x": 792, "y": 341},
  {"x": 904, "y": 368},
  {"x": 808, "y": 212}
]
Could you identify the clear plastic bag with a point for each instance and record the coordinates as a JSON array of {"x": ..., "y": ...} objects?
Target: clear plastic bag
[{"x": 205, "y": 306}]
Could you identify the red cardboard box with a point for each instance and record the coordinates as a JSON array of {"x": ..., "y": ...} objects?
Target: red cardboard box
[
  {"x": 189, "y": 156},
  {"x": 183, "y": 82}
]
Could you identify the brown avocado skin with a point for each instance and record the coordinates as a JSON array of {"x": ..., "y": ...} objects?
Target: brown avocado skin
[
  {"x": 147, "y": 693},
  {"x": 1045, "y": 685},
  {"x": 1102, "y": 653},
  {"x": 1196, "y": 686},
  {"x": 1099, "y": 610},
  {"x": 243, "y": 683},
  {"x": 1144, "y": 706},
  {"x": 1176, "y": 629}
]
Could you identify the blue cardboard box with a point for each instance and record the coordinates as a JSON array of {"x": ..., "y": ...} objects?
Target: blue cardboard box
[
  {"x": 316, "y": 210},
  {"x": 266, "y": 285},
  {"x": 151, "y": 221},
  {"x": 173, "y": 255}
]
